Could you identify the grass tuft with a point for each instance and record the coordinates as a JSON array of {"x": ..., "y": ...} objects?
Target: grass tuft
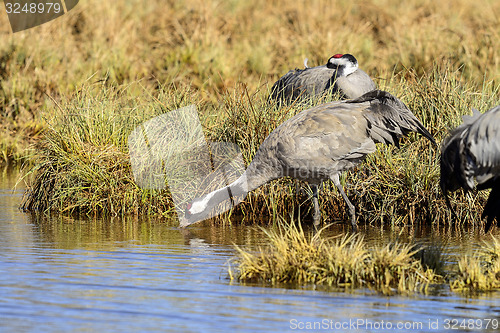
[
  {"x": 293, "y": 256},
  {"x": 347, "y": 261},
  {"x": 82, "y": 164},
  {"x": 480, "y": 271}
]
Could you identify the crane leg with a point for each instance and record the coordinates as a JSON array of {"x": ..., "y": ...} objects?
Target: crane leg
[
  {"x": 352, "y": 210},
  {"x": 316, "y": 213}
]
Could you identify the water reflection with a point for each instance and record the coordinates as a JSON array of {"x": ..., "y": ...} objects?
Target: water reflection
[{"x": 133, "y": 274}]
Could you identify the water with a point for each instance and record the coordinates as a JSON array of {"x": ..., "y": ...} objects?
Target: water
[{"x": 67, "y": 275}]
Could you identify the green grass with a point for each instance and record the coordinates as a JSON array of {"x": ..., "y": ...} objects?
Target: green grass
[
  {"x": 83, "y": 155},
  {"x": 82, "y": 164}
]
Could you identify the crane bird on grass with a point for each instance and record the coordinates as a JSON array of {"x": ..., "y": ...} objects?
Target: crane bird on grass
[
  {"x": 473, "y": 151},
  {"x": 341, "y": 73},
  {"x": 316, "y": 145}
]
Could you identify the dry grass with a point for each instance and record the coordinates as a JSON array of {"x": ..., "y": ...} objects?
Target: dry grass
[
  {"x": 215, "y": 45},
  {"x": 295, "y": 257},
  {"x": 347, "y": 261},
  {"x": 480, "y": 271},
  {"x": 439, "y": 61}
]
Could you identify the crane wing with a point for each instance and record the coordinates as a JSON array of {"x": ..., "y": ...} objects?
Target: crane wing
[
  {"x": 482, "y": 148},
  {"x": 389, "y": 118},
  {"x": 354, "y": 85},
  {"x": 301, "y": 83}
]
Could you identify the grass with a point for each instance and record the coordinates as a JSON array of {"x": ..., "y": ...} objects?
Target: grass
[
  {"x": 216, "y": 45},
  {"x": 82, "y": 161},
  {"x": 480, "y": 271},
  {"x": 293, "y": 256},
  {"x": 82, "y": 164},
  {"x": 72, "y": 91}
]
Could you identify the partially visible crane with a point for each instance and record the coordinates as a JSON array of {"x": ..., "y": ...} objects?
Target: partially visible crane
[
  {"x": 341, "y": 73},
  {"x": 472, "y": 150},
  {"x": 316, "y": 145}
]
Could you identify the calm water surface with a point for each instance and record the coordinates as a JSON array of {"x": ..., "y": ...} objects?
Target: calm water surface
[{"x": 67, "y": 275}]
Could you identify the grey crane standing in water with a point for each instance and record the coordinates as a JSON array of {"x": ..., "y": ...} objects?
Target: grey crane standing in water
[
  {"x": 473, "y": 150},
  {"x": 316, "y": 145},
  {"x": 341, "y": 73}
]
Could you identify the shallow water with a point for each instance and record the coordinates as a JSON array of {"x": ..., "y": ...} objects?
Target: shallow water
[{"x": 62, "y": 274}]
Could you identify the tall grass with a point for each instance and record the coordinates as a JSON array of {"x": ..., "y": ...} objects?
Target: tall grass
[
  {"x": 82, "y": 165},
  {"x": 214, "y": 45},
  {"x": 394, "y": 186},
  {"x": 440, "y": 62}
]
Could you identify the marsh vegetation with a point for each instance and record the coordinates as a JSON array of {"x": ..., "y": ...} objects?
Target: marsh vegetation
[
  {"x": 293, "y": 256},
  {"x": 74, "y": 89}
]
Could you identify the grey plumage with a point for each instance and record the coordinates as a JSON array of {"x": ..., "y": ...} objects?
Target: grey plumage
[
  {"x": 318, "y": 144},
  {"x": 340, "y": 74},
  {"x": 472, "y": 150}
]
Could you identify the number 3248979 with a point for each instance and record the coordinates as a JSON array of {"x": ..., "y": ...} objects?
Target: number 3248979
[
  {"x": 33, "y": 8},
  {"x": 473, "y": 324}
]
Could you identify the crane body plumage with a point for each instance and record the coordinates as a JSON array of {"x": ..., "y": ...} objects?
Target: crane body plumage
[
  {"x": 472, "y": 151},
  {"x": 340, "y": 74}
]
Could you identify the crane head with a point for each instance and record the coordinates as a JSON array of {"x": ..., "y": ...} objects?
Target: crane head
[{"x": 345, "y": 64}]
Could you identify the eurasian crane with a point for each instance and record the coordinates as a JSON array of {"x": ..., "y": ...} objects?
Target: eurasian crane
[
  {"x": 341, "y": 73},
  {"x": 316, "y": 145},
  {"x": 472, "y": 150}
]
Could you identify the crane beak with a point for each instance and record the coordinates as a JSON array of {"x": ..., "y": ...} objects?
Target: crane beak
[
  {"x": 184, "y": 219},
  {"x": 183, "y": 222}
]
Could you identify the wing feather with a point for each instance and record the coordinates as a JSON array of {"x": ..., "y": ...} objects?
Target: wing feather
[
  {"x": 482, "y": 147},
  {"x": 389, "y": 118}
]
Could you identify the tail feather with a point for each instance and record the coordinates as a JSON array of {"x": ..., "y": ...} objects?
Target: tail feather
[
  {"x": 388, "y": 115},
  {"x": 420, "y": 129}
]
